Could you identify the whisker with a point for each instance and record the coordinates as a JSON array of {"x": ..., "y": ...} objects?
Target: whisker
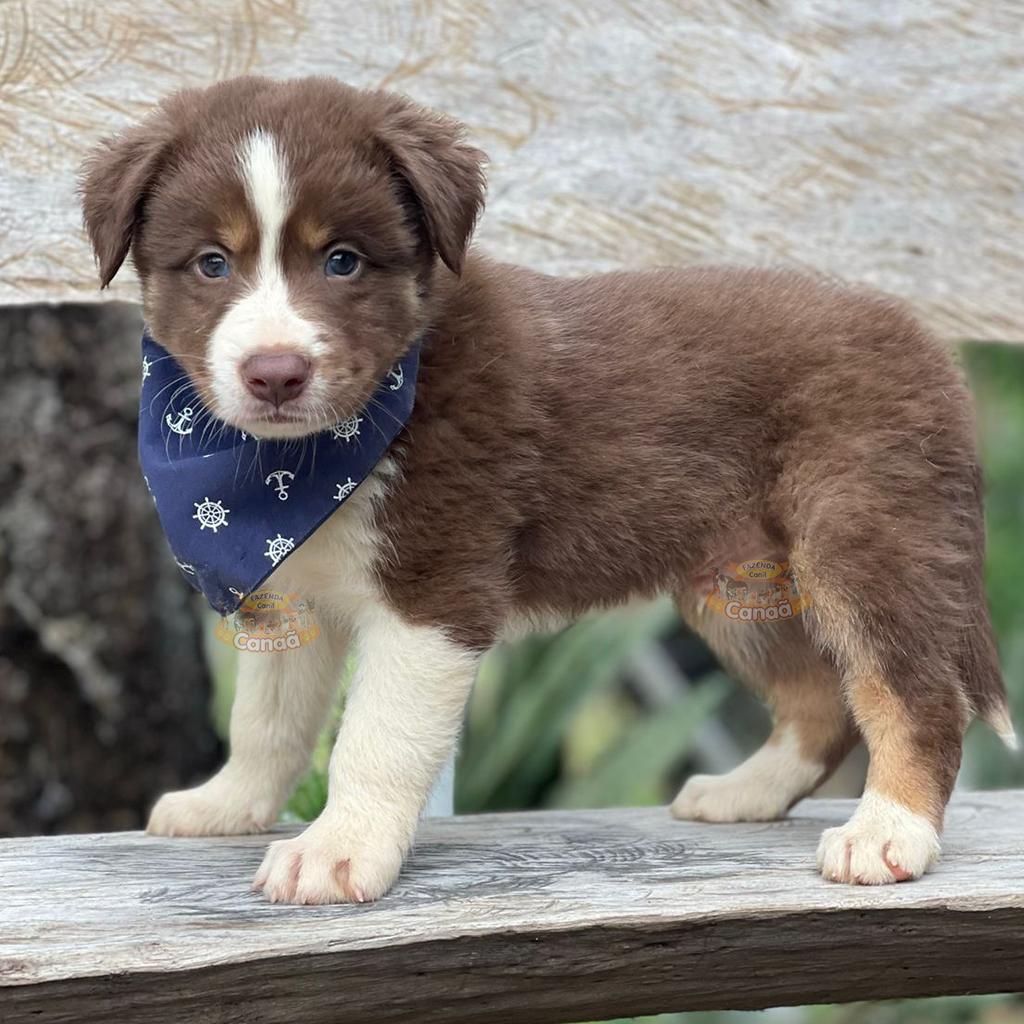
[
  {"x": 169, "y": 384},
  {"x": 375, "y": 403}
]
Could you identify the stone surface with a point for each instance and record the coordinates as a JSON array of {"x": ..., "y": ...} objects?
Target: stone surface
[{"x": 103, "y": 689}]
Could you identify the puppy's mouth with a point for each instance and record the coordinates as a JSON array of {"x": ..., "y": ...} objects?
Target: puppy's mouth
[
  {"x": 300, "y": 417},
  {"x": 285, "y": 417},
  {"x": 281, "y": 422}
]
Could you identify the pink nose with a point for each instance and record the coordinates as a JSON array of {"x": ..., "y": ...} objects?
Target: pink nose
[{"x": 275, "y": 376}]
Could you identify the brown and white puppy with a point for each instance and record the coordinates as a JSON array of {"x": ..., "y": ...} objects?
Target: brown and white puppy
[{"x": 562, "y": 456}]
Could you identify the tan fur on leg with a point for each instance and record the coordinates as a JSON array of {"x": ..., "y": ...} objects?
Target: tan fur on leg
[{"x": 900, "y": 769}]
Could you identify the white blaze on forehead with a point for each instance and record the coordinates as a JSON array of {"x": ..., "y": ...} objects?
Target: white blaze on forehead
[
  {"x": 266, "y": 184},
  {"x": 263, "y": 317}
]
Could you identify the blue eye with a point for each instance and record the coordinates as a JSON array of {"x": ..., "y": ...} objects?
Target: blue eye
[
  {"x": 341, "y": 263},
  {"x": 212, "y": 264}
]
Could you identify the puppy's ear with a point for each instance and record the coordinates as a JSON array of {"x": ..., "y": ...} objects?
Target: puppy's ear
[
  {"x": 115, "y": 180},
  {"x": 444, "y": 173}
]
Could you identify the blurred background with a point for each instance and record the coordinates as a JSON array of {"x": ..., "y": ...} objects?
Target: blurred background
[{"x": 882, "y": 145}]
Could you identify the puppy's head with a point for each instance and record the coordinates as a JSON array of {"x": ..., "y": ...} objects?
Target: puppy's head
[{"x": 286, "y": 236}]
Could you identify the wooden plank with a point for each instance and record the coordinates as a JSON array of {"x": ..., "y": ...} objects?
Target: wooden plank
[
  {"x": 882, "y": 143},
  {"x": 539, "y": 917}
]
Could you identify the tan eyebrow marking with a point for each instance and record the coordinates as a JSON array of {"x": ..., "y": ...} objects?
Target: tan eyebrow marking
[
  {"x": 238, "y": 232},
  {"x": 312, "y": 235}
]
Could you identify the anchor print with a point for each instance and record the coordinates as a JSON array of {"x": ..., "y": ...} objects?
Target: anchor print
[
  {"x": 282, "y": 487},
  {"x": 178, "y": 425},
  {"x": 397, "y": 374}
]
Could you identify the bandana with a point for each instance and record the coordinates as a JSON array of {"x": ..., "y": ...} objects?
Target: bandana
[{"x": 233, "y": 506}]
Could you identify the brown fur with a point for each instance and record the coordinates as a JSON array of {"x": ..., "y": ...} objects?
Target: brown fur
[{"x": 563, "y": 453}]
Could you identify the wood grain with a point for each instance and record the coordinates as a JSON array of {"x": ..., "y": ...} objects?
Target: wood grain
[
  {"x": 539, "y": 917},
  {"x": 882, "y": 143}
]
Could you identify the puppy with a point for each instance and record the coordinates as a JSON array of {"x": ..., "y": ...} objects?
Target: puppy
[{"x": 560, "y": 457}]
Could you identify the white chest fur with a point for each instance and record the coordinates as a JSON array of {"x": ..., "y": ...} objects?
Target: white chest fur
[{"x": 336, "y": 565}]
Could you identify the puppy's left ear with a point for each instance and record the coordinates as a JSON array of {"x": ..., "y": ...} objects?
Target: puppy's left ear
[
  {"x": 115, "y": 180},
  {"x": 444, "y": 173}
]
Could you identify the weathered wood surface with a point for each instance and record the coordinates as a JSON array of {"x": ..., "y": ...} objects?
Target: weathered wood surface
[
  {"x": 880, "y": 142},
  {"x": 540, "y": 917}
]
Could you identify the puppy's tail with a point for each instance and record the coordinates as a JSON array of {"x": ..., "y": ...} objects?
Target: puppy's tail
[
  {"x": 978, "y": 659},
  {"x": 982, "y": 678}
]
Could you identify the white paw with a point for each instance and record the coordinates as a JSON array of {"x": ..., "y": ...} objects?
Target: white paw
[
  {"x": 209, "y": 810},
  {"x": 883, "y": 842},
  {"x": 329, "y": 864},
  {"x": 762, "y": 788},
  {"x": 722, "y": 798}
]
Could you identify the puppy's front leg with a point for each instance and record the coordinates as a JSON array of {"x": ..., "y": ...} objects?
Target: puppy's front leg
[
  {"x": 282, "y": 700},
  {"x": 401, "y": 722}
]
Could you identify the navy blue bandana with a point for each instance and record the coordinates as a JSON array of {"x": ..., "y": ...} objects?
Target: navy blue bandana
[{"x": 232, "y": 505}]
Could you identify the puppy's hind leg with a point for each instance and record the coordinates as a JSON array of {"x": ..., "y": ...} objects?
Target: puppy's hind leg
[
  {"x": 282, "y": 700},
  {"x": 894, "y": 834},
  {"x": 902, "y": 684},
  {"x": 813, "y": 731}
]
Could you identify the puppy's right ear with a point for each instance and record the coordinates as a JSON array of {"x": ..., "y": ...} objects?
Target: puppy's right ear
[{"x": 115, "y": 180}]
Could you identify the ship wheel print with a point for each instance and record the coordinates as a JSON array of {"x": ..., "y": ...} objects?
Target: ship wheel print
[
  {"x": 278, "y": 547},
  {"x": 211, "y": 514}
]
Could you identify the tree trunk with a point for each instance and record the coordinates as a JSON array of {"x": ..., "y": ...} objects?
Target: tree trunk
[{"x": 104, "y": 692}]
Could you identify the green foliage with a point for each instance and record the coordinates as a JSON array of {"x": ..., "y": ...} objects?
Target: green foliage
[
  {"x": 309, "y": 796},
  {"x": 997, "y": 378},
  {"x": 639, "y": 765},
  {"x": 531, "y": 695}
]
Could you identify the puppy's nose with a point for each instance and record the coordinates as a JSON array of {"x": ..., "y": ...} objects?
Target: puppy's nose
[{"x": 275, "y": 376}]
